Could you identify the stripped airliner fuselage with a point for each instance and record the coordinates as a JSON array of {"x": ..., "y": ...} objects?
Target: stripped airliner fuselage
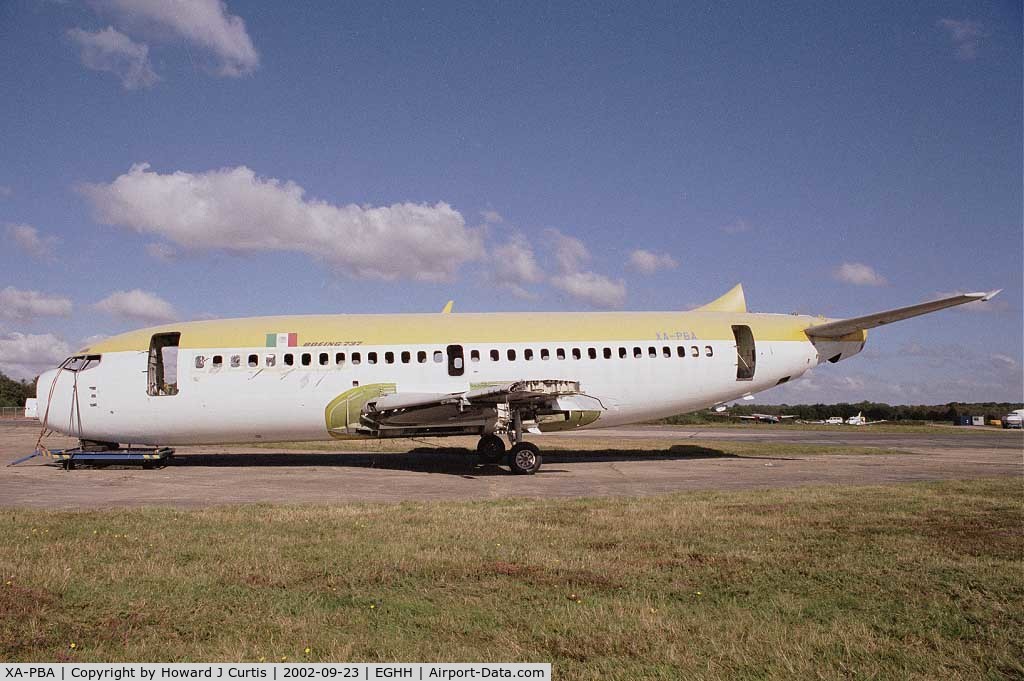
[{"x": 339, "y": 376}]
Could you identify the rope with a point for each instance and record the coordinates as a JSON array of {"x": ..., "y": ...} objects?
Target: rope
[{"x": 76, "y": 410}]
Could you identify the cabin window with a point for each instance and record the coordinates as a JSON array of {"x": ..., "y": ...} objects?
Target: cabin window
[
  {"x": 474, "y": 355},
  {"x": 163, "y": 364},
  {"x": 666, "y": 351},
  {"x": 528, "y": 354},
  {"x": 576, "y": 354},
  {"x": 254, "y": 360},
  {"x": 218, "y": 361},
  {"x": 637, "y": 352},
  {"x": 289, "y": 359},
  {"x": 339, "y": 358},
  {"x": 652, "y": 351},
  {"x": 694, "y": 351},
  {"x": 511, "y": 355},
  {"x": 622, "y": 353},
  {"x": 270, "y": 360},
  {"x": 307, "y": 359},
  {"x": 200, "y": 361},
  {"x": 592, "y": 353},
  {"x": 438, "y": 356},
  {"x": 357, "y": 358},
  {"x": 389, "y": 358},
  {"x": 406, "y": 357},
  {"x": 495, "y": 355},
  {"x": 680, "y": 351},
  {"x": 544, "y": 354},
  {"x": 421, "y": 357},
  {"x": 236, "y": 361},
  {"x": 324, "y": 359},
  {"x": 708, "y": 351},
  {"x": 607, "y": 353},
  {"x": 371, "y": 358}
]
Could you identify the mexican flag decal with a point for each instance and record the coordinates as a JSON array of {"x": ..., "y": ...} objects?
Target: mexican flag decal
[{"x": 282, "y": 340}]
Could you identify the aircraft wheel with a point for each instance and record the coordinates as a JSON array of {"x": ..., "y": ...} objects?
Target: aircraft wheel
[
  {"x": 491, "y": 449},
  {"x": 524, "y": 458}
]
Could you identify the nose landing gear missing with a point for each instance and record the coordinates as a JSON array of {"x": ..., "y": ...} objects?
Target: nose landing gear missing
[{"x": 523, "y": 458}]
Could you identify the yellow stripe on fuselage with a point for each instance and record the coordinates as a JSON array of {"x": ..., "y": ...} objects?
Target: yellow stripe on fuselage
[{"x": 496, "y": 328}]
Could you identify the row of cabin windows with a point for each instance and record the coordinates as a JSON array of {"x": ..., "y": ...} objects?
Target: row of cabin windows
[{"x": 406, "y": 357}]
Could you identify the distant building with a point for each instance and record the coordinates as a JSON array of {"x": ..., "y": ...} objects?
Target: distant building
[{"x": 30, "y": 408}]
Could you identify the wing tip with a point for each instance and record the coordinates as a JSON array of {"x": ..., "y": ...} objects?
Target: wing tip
[{"x": 991, "y": 294}]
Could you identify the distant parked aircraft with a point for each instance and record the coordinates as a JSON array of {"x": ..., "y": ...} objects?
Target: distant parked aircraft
[
  {"x": 859, "y": 420},
  {"x": 756, "y": 418}
]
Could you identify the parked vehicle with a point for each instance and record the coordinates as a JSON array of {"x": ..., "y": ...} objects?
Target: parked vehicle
[{"x": 1015, "y": 419}]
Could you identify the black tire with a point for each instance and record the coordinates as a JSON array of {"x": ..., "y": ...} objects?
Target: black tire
[
  {"x": 524, "y": 458},
  {"x": 491, "y": 449}
]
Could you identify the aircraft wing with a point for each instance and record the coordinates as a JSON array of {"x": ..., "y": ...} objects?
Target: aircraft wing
[
  {"x": 516, "y": 392},
  {"x": 842, "y": 327},
  {"x": 542, "y": 405}
]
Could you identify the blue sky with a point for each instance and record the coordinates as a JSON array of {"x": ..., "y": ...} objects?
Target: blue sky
[{"x": 836, "y": 159}]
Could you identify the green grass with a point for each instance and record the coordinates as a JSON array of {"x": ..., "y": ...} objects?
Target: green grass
[{"x": 909, "y": 581}]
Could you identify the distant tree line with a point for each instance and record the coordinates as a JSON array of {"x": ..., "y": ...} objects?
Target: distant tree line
[
  {"x": 13, "y": 393},
  {"x": 874, "y": 411}
]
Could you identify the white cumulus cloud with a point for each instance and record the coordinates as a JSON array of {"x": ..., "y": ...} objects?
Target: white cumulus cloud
[
  {"x": 233, "y": 209},
  {"x": 966, "y": 36},
  {"x": 513, "y": 265},
  {"x": 28, "y": 239},
  {"x": 859, "y": 274},
  {"x": 206, "y": 24},
  {"x": 138, "y": 305},
  {"x": 25, "y": 305},
  {"x": 25, "y": 356},
  {"x": 592, "y": 288},
  {"x": 646, "y": 262},
  {"x": 113, "y": 51}
]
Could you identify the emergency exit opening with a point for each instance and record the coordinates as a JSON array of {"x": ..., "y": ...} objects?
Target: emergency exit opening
[
  {"x": 456, "y": 362},
  {"x": 746, "y": 353},
  {"x": 163, "y": 364}
]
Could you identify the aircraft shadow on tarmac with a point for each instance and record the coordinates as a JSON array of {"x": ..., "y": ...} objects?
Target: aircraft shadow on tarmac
[{"x": 446, "y": 460}]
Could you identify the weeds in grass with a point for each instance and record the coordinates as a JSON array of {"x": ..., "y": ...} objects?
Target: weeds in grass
[{"x": 909, "y": 581}]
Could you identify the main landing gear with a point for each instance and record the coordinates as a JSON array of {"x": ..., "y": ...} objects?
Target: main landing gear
[{"x": 523, "y": 458}]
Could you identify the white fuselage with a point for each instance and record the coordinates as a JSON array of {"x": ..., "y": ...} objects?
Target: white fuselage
[
  {"x": 223, "y": 392},
  {"x": 243, "y": 404}
]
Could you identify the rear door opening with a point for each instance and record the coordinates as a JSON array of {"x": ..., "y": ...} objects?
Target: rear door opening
[{"x": 746, "y": 353}]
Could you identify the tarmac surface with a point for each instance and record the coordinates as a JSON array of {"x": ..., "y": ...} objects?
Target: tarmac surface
[{"x": 663, "y": 463}]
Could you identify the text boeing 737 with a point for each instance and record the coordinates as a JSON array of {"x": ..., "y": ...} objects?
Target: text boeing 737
[{"x": 319, "y": 377}]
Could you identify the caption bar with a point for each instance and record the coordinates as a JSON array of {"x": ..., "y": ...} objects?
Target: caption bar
[{"x": 273, "y": 672}]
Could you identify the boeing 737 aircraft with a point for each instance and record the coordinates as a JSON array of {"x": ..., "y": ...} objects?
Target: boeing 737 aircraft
[{"x": 319, "y": 377}]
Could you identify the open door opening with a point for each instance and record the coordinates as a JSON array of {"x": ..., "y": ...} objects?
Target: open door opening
[
  {"x": 456, "y": 362},
  {"x": 163, "y": 364},
  {"x": 746, "y": 353}
]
